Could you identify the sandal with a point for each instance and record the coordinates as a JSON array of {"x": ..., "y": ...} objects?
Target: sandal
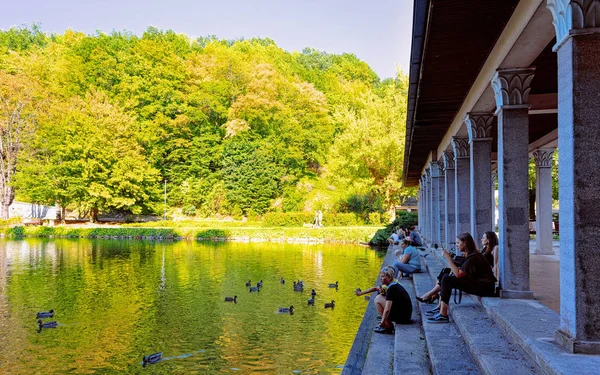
[{"x": 380, "y": 329}]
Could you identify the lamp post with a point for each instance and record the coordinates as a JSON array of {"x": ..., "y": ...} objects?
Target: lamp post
[{"x": 165, "y": 212}]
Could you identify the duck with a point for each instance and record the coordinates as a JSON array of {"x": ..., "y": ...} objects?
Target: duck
[
  {"x": 286, "y": 309},
  {"x": 281, "y": 280},
  {"x": 259, "y": 284},
  {"x": 333, "y": 285},
  {"x": 330, "y": 305},
  {"x": 311, "y": 301},
  {"x": 298, "y": 287},
  {"x": 47, "y": 324},
  {"x": 313, "y": 293},
  {"x": 254, "y": 289},
  {"x": 249, "y": 283},
  {"x": 152, "y": 359},
  {"x": 231, "y": 299},
  {"x": 44, "y": 314}
]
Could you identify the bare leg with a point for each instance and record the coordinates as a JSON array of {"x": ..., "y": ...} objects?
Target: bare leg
[
  {"x": 436, "y": 289},
  {"x": 380, "y": 304},
  {"x": 443, "y": 308}
]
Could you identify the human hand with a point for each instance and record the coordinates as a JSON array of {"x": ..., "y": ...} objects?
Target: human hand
[{"x": 446, "y": 254}]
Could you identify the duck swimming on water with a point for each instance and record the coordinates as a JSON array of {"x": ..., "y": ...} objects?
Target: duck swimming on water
[
  {"x": 152, "y": 359},
  {"x": 249, "y": 283},
  {"x": 254, "y": 289},
  {"x": 45, "y": 314},
  {"x": 298, "y": 287},
  {"x": 334, "y": 285},
  {"x": 47, "y": 324},
  {"x": 330, "y": 305},
  {"x": 286, "y": 309},
  {"x": 231, "y": 299},
  {"x": 281, "y": 280},
  {"x": 259, "y": 284},
  {"x": 313, "y": 293},
  {"x": 311, "y": 301}
]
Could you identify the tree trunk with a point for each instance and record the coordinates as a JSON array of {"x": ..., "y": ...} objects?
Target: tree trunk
[
  {"x": 8, "y": 195},
  {"x": 532, "y": 204},
  {"x": 94, "y": 215}
]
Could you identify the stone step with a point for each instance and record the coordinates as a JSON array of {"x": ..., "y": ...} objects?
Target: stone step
[
  {"x": 447, "y": 350},
  {"x": 410, "y": 349},
  {"x": 493, "y": 351}
]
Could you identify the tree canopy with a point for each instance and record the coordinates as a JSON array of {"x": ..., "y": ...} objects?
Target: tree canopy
[{"x": 232, "y": 125}]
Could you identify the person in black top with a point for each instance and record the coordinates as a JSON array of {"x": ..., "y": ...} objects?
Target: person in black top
[
  {"x": 398, "y": 307},
  {"x": 475, "y": 276}
]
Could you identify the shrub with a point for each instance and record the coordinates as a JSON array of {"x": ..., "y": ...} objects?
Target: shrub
[
  {"x": 189, "y": 210},
  {"x": 375, "y": 218}
]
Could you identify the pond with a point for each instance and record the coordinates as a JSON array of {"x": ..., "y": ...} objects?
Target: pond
[{"x": 116, "y": 301}]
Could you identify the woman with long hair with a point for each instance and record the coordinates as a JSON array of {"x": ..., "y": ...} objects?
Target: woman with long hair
[
  {"x": 474, "y": 277},
  {"x": 489, "y": 241}
]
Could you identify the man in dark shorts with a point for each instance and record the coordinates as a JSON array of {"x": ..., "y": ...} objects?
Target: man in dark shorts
[{"x": 398, "y": 306}]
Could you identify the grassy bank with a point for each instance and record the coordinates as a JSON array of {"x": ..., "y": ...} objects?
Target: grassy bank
[{"x": 280, "y": 234}]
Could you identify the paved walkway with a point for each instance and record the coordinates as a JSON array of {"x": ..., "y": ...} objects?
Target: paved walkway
[{"x": 544, "y": 271}]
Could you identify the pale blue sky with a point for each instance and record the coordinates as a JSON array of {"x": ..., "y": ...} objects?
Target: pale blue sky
[{"x": 377, "y": 31}]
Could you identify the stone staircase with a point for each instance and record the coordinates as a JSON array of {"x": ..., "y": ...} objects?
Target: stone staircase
[{"x": 489, "y": 336}]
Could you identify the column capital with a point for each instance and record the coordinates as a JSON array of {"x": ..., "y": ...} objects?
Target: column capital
[
  {"x": 423, "y": 180},
  {"x": 512, "y": 86},
  {"x": 448, "y": 159},
  {"x": 461, "y": 147},
  {"x": 573, "y": 17},
  {"x": 427, "y": 175},
  {"x": 543, "y": 157},
  {"x": 436, "y": 169},
  {"x": 479, "y": 126}
]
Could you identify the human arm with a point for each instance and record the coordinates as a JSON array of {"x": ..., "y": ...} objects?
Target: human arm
[
  {"x": 405, "y": 258},
  {"x": 496, "y": 269},
  {"x": 386, "y": 310},
  {"x": 455, "y": 270},
  {"x": 370, "y": 290}
]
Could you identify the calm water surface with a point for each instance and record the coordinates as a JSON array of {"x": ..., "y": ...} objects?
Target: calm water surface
[{"x": 117, "y": 300}]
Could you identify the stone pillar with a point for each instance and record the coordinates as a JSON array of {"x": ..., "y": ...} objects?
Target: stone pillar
[
  {"x": 462, "y": 181},
  {"x": 577, "y": 40},
  {"x": 434, "y": 167},
  {"x": 423, "y": 222},
  {"x": 428, "y": 204},
  {"x": 543, "y": 200},
  {"x": 479, "y": 126},
  {"x": 442, "y": 205},
  {"x": 450, "y": 201},
  {"x": 419, "y": 202},
  {"x": 494, "y": 180},
  {"x": 430, "y": 208},
  {"x": 511, "y": 89}
]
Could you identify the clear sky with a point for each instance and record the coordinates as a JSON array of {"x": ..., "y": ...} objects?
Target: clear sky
[{"x": 377, "y": 31}]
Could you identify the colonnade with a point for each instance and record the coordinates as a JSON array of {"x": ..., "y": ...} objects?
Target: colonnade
[{"x": 463, "y": 202}]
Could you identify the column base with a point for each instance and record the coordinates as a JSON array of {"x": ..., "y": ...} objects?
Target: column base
[
  {"x": 575, "y": 346},
  {"x": 516, "y": 294},
  {"x": 543, "y": 252}
]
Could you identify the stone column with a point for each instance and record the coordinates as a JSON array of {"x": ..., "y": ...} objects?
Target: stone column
[
  {"x": 449, "y": 206},
  {"x": 543, "y": 200},
  {"x": 479, "y": 126},
  {"x": 428, "y": 204},
  {"x": 462, "y": 181},
  {"x": 441, "y": 239},
  {"x": 419, "y": 201},
  {"x": 434, "y": 168},
  {"x": 423, "y": 222},
  {"x": 511, "y": 89},
  {"x": 577, "y": 40},
  {"x": 494, "y": 180}
]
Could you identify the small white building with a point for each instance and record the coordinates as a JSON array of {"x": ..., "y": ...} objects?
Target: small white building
[{"x": 31, "y": 211}]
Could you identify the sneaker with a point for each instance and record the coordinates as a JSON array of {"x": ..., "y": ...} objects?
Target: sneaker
[
  {"x": 438, "y": 318},
  {"x": 432, "y": 312}
]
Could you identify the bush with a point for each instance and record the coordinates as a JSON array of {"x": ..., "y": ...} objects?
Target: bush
[
  {"x": 375, "y": 218},
  {"x": 189, "y": 210},
  {"x": 297, "y": 219}
]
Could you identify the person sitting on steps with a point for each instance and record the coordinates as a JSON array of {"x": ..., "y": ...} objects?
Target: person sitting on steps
[
  {"x": 397, "y": 307},
  {"x": 410, "y": 259},
  {"x": 474, "y": 277},
  {"x": 489, "y": 241}
]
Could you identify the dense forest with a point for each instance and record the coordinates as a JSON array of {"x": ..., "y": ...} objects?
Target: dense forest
[{"x": 98, "y": 123}]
